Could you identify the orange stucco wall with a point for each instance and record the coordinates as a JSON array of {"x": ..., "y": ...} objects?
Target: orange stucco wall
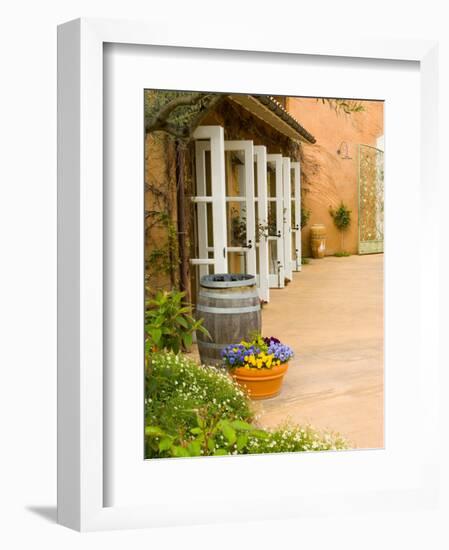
[
  {"x": 160, "y": 212},
  {"x": 327, "y": 178}
]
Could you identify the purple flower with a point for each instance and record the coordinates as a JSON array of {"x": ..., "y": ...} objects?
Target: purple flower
[
  {"x": 280, "y": 351},
  {"x": 271, "y": 340}
]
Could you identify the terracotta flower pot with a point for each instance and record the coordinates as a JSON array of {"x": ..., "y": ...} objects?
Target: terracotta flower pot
[{"x": 261, "y": 383}]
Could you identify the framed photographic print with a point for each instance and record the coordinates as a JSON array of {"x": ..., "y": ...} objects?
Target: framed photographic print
[{"x": 241, "y": 317}]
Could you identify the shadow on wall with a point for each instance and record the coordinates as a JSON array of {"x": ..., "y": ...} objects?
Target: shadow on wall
[{"x": 329, "y": 173}]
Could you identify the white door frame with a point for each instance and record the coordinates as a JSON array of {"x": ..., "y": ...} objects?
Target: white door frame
[
  {"x": 212, "y": 138},
  {"x": 260, "y": 158},
  {"x": 276, "y": 280},
  {"x": 296, "y": 230},
  {"x": 287, "y": 217},
  {"x": 247, "y": 173}
]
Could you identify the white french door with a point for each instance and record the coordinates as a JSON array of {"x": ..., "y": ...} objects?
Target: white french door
[
  {"x": 286, "y": 218},
  {"x": 227, "y": 236},
  {"x": 240, "y": 223},
  {"x": 296, "y": 215},
  {"x": 261, "y": 210},
  {"x": 209, "y": 200},
  {"x": 275, "y": 226}
]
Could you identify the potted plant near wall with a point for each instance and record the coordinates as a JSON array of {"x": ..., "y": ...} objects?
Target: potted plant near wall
[
  {"x": 342, "y": 221},
  {"x": 259, "y": 365}
]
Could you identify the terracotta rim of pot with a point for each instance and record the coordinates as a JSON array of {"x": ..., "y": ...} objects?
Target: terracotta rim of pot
[{"x": 254, "y": 372}]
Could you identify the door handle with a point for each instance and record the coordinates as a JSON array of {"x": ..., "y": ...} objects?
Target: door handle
[
  {"x": 279, "y": 233},
  {"x": 249, "y": 245}
]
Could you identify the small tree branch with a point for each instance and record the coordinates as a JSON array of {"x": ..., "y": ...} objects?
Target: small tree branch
[
  {"x": 159, "y": 121},
  {"x": 216, "y": 99}
]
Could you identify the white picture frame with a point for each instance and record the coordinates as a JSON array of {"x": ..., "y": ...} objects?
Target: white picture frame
[{"x": 81, "y": 475}]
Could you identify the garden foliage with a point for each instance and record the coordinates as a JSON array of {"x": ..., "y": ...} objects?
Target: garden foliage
[
  {"x": 257, "y": 353},
  {"x": 199, "y": 411},
  {"x": 342, "y": 219},
  {"x": 169, "y": 323}
]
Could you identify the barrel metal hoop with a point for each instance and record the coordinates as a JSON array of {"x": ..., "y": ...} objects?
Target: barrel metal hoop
[
  {"x": 236, "y": 296},
  {"x": 227, "y": 284},
  {"x": 227, "y": 310},
  {"x": 211, "y": 345}
]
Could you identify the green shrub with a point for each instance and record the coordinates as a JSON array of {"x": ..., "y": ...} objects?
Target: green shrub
[
  {"x": 341, "y": 217},
  {"x": 179, "y": 394},
  {"x": 291, "y": 438},
  {"x": 305, "y": 216},
  {"x": 342, "y": 220},
  {"x": 168, "y": 322},
  {"x": 198, "y": 411}
]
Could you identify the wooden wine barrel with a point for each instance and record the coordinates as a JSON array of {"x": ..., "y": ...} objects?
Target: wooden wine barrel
[
  {"x": 230, "y": 307},
  {"x": 318, "y": 240}
]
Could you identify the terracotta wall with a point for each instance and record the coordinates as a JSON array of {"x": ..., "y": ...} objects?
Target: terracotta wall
[
  {"x": 328, "y": 178},
  {"x": 160, "y": 213}
]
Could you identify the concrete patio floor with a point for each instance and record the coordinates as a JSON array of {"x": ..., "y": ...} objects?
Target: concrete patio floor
[{"x": 331, "y": 314}]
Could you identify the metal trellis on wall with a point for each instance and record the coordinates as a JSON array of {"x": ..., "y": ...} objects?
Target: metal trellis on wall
[{"x": 371, "y": 199}]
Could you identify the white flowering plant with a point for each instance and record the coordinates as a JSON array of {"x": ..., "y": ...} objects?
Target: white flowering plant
[{"x": 192, "y": 410}]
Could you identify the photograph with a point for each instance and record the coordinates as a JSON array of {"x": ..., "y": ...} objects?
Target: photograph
[{"x": 264, "y": 295}]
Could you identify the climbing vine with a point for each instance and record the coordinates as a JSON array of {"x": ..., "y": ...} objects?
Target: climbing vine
[{"x": 161, "y": 236}]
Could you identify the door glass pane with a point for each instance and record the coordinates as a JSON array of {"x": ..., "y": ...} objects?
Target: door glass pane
[
  {"x": 256, "y": 188},
  {"x": 208, "y": 174},
  {"x": 211, "y": 267},
  {"x": 235, "y": 177},
  {"x": 271, "y": 179},
  {"x": 236, "y": 223},
  {"x": 201, "y": 223},
  {"x": 272, "y": 256},
  {"x": 272, "y": 219},
  {"x": 294, "y": 236},
  {"x": 236, "y": 262},
  {"x": 259, "y": 228},
  {"x": 257, "y": 260},
  {"x": 210, "y": 232},
  {"x": 292, "y": 179},
  {"x": 199, "y": 189}
]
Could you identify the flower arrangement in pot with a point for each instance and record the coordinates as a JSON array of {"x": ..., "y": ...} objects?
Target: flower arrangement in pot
[{"x": 259, "y": 365}]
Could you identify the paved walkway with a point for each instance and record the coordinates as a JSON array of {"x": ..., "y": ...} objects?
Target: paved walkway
[{"x": 332, "y": 316}]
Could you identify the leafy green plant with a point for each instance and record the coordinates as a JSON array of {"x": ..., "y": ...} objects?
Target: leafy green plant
[
  {"x": 169, "y": 324},
  {"x": 238, "y": 227},
  {"x": 180, "y": 395},
  {"x": 200, "y": 411},
  {"x": 305, "y": 216},
  {"x": 342, "y": 220},
  {"x": 211, "y": 436}
]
